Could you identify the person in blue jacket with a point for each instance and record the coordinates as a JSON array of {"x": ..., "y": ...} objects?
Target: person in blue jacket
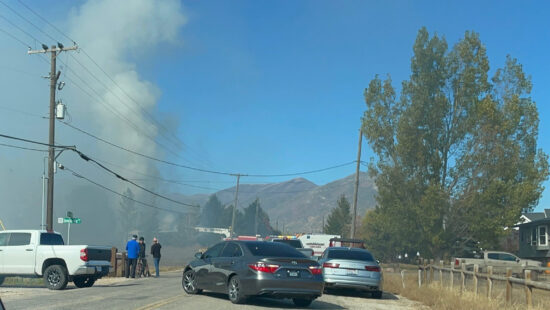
[{"x": 132, "y": 247}]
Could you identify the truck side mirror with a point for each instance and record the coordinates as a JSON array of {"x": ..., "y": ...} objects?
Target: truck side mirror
[{"x": 198, "y": 255}]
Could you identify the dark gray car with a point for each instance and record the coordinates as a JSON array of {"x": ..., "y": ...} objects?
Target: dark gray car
[{"x": 255, "y": 268}]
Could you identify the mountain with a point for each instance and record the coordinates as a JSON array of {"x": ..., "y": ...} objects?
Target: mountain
[{"x": 298, "y": 205}]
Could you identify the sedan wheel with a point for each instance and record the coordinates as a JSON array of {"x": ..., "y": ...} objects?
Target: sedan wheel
[
  {"x": 234, "y": 291},
  {"x": 189, "y": 282}
]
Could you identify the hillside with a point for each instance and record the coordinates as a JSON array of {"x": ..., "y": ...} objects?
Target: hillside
[{"x": 298, "y": 205}]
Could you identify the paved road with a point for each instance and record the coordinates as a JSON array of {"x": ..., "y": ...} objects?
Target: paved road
[{"x": 166, "y": 293}]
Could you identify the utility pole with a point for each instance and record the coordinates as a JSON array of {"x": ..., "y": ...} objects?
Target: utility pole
[
  {"x": 256, "y": 218},
  {"x": 354, "y": 210},
  {"x": 235, "y": 205},
  {"x": 54, "y": 76}
]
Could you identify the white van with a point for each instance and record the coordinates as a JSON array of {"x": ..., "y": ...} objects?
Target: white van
[{"x": 317, "y": 242}]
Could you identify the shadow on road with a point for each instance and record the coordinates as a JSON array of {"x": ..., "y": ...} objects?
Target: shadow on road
[
  {"x": 360, "y": 294},
  {"x": 277, "y": 303}
]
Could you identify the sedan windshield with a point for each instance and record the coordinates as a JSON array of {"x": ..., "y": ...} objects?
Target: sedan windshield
[
  {"x": 351, "y": 255},
  {"x": 272, "y": 249}
]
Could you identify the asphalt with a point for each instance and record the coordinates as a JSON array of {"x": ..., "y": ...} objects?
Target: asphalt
[{"x": 166, "y": 293}]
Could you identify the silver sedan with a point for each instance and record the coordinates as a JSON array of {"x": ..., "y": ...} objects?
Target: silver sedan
[{"x": 352, "y": 268}]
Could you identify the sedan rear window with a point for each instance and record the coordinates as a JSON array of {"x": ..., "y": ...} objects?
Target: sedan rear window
[
  {"x": 351, "y": 255},
  {"x": 272, "y": 249}
]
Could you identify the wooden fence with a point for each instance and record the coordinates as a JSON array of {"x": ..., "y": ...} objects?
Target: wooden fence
[{"x": 426, "y": 275}]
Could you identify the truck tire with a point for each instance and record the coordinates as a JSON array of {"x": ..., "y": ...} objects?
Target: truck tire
[
  {"x": 56, "y": 277},
  {"x": 2, "y": 279},
  {"x": 84, "y": 281}
]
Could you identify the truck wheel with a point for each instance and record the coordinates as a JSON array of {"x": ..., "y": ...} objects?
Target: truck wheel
[
  {"x": 56, "y": 277},
  {"x": 84, "y": 281},
  {"x": 2, "y": 280}
]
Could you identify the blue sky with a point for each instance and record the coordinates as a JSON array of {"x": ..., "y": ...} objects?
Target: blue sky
[{"x": 277, "y": 86}]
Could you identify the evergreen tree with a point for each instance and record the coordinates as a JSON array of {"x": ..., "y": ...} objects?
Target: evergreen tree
[{"x": 339, "y": 220}]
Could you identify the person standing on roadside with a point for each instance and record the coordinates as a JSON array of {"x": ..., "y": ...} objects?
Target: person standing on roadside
[
  {"x": 132, "y": 247},
  {"x": 155, "y": 251}
]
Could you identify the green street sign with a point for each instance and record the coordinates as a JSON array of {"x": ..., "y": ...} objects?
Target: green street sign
[{"x": 68, "y": 220}]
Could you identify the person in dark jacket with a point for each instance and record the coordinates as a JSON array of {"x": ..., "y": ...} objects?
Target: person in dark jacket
[
  {"x": 155, "y": 251},
  {"x": 132, "y": 247},
  {"x": 143, "y": 267}
]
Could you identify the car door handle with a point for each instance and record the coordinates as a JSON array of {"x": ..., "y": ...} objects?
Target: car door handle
[{"x": 28, "y": 250}]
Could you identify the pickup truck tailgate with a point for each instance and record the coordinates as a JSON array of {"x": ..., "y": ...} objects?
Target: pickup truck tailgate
[{"x": 97, "y": 253}]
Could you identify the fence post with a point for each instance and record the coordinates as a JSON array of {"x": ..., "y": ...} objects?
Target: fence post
[
  {"x": 489, "y": 281},
  {"x": 419, "y": 276},
  {"x": 123, "y": 263},
  {"x": 426, "y": 272},
  {"x": 476, "y": 270},
  {"x": 528, "y": 289},
  {"x": 441, "y": 265},
  {"x": 431, "y": 270},
  {"x": 463, "y": 279},
  {"x": 452, "y": 276},
  {"x": 113, "y": 262},
  {"x": 508, "y": 285},
  {"x": 403, "y": 277}
]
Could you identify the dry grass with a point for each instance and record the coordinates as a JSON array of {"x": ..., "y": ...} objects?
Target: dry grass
[{"x": 437, "y": 297}]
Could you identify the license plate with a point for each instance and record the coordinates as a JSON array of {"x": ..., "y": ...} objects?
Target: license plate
[
  {"x": 293, "y": 273},
  {"x": 351, "y": 272}
]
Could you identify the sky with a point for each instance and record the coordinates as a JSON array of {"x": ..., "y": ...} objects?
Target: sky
[{"x": 250, "y": 87}]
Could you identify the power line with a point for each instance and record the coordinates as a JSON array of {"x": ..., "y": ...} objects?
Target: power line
[
  {"x": 20, "y": 29},
  {"x": 303, "y": 172},
  {"x": 78, "y": 175},
  {"x": 88, "y": 158},
  {"x": 14, "y": 37},
  {"x": 46, "y": 21},
  {"x": 39, "y": 143},
  {"x": 28, "y": 21},
  {"x": 22, "y": 148}
]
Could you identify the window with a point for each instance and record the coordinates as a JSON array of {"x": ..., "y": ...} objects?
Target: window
[
  {"x": 273, "y": 249},
  {"x": 534, "y": 236},
  {"x": 51, "y": 239},
  {"x": 232, "y": 250},
  {"x": 19, "y": 239},
  {"x": 214, "y": 251},
  {"x": 351, "y": 255},
  {"x": 507, "y": 257},
  {"x": 542, "y": 236},
  {"x": 493, "y": 256},
  {"x": 4, "y": 239}
]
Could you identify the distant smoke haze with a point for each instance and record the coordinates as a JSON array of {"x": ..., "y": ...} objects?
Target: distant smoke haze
[{"x": 117, "y": 35}]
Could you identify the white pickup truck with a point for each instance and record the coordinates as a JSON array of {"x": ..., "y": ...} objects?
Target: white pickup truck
[{"x": 38, "y": 253}]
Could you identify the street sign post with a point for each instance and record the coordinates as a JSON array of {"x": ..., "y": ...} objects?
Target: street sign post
[{"x": 69, "y": 220}]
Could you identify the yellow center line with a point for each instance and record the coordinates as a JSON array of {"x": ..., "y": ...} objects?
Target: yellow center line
[{"x": 161, "y": 303}]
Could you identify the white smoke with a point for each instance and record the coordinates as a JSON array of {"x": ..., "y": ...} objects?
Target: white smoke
[{"x": 119, "y": 36}]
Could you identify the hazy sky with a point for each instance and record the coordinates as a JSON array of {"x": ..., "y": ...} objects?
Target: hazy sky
[{"x": 257, "y": 87}]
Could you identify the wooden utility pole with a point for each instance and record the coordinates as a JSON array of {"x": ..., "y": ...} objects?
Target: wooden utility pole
[
  {"x": 232, "y": 230},
  {"x": 256, "y": 218},
  {"x": 54, "y": 76},
  {"x": 356, "y": 191}
]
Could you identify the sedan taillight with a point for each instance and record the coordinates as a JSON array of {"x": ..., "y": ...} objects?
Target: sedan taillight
[
  {"x": 315, "y": 269},
  {"x": 331, "y": 265},
  {"x": 372, "y": 268},
  {"x": 263, "y": 267},
  {"x": 84, "y": 255}
]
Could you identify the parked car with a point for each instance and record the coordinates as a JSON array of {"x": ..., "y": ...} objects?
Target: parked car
[
  {"x": 37, "y": 253},
  {"x": 254, "y": 268},
  {"x": 352, "y": 268},
  {"x": 499, "y": 260}
]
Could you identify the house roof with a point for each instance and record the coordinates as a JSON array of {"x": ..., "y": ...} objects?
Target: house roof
[{"x": 534, "y": 216}]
